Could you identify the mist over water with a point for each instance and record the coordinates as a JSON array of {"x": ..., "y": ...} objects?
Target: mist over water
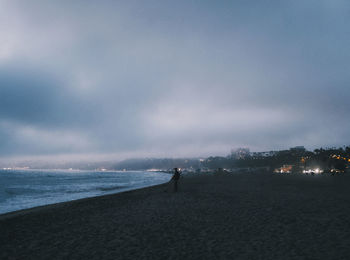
[{"x": 21, "y": 189}]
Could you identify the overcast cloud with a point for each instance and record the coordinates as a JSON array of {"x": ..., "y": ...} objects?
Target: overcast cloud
[{"x": 172, "y": 78}]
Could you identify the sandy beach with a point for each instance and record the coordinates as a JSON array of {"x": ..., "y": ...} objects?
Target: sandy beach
[{"x": 241, "y": 216}]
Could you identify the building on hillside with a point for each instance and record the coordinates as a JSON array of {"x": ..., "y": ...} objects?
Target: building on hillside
[
  {"x": 240, "y": 153},
  {"x": 258, "y": 155}
]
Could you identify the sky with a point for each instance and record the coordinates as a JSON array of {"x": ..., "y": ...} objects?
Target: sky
[{"x": 121, "y": 79}]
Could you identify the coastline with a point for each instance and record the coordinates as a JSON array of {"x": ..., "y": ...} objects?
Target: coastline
[
  {"x": 241, "y": 216},
  {"x": 23, "y": 190},
  {"x": 68, "y": 203}
]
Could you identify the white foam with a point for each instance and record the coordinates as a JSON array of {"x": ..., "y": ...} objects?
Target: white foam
[{"x": 21, "y": 189}]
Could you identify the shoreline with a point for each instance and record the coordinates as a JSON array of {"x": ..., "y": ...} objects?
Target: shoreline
[
  {"x": 46, "y": 188},
  {"x": 67, "y": 203}
]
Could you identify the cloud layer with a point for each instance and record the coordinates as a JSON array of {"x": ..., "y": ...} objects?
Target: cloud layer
[{"x": 165, "y": 78}]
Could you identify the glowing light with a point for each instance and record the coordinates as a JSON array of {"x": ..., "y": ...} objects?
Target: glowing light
[{"x": 315, "y": 171}]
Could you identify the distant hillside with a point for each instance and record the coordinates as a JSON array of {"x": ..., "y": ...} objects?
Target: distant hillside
[{"x": 152, "y": 163}]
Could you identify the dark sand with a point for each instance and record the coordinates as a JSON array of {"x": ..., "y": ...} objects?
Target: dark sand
[{"x": 244, "y": 216}]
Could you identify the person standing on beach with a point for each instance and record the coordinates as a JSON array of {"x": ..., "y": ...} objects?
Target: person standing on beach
[{"x": 175, "y": 178}]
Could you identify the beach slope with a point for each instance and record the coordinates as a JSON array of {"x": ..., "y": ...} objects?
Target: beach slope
[{"x": 242, "y": 216}]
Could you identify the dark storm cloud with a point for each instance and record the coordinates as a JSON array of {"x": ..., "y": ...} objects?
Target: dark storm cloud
[
  {"x": 28, "y": 97},
  {"x": 33, "y": 96},
  {"x": 172, "y": 78}
]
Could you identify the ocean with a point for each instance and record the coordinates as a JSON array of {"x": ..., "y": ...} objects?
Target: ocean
[{"x": 21, "y": 189}]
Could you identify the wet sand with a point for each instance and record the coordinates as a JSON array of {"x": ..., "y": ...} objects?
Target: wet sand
[{"x": 242, "y": 216}]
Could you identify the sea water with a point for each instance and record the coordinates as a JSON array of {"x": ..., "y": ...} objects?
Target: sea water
[{"x": 21, "y": 189}]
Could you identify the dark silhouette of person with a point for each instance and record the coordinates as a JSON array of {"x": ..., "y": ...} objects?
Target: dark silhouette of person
[{"x": 175, "y": 178}]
